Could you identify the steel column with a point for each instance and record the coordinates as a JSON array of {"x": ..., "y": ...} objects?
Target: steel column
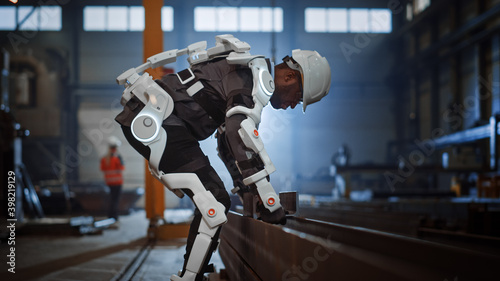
[{"x": 153, "y": 44}]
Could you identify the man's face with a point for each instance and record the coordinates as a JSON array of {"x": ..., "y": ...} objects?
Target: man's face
[{"x": 288, "y": 92}]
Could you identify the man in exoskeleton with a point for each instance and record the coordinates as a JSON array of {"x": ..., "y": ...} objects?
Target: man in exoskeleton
[{"x": 224, "y": 90}]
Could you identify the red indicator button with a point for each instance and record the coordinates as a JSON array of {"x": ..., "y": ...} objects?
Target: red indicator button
[
  {"x": 271, "y": 201},
  {"x": 256, "y": 133},
  {"x": 211, "y": 212}
]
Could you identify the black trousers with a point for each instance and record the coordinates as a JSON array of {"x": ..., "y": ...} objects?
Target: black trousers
[
  {"x": 183, "y": 155},
  {"x": 115, "y": 192}
]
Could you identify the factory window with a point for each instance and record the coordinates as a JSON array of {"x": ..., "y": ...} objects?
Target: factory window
[
  {"x": 44, "y": 18},
  {"x": 337, "y": 20},
  {"x": 8, "y": 16},
  {"x": 116, "y": 19},
  {"x": 380, "y": 21},
  {"x": 409, "y": 12},
  {"x": 415, "y": 8},
  {"x": 242, "y": 19},
  {"x": 136, "y": 18},
  {"x": 421, "y": 5},
  {"x": 167, "y": 18},
  {"x": 358, "y": 20},
  {"x": 121, "y": 18},
  {"x": 343, "y": 20}
]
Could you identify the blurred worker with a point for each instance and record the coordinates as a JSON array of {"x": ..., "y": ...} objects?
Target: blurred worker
[
  {"x": 342, "y": 156},
  {"x": 225, "y": 93},
  {"x": 112, "y": 166},
  {"x": 339, "y": 159}
]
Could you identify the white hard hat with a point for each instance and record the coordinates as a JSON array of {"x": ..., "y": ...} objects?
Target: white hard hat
[
  {"x": 316, "y": 74},
  {"x": 114, "y": 141}
]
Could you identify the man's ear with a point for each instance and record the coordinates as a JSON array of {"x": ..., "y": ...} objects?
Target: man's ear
[{"x": 290, "y": 75}]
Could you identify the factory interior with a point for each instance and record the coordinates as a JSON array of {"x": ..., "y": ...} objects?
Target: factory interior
[{"x": 393, "y": 175}]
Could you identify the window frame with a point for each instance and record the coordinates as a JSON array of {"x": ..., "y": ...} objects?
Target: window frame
[
  {"x": 325, "y": 26},
  {"x": 34, "y": 18},
  {"x": 166, "y": 24},
  {"x": 274, "y": 23}
]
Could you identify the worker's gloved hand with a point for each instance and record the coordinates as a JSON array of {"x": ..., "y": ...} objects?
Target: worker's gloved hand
[{"x": 276, "y": 217}]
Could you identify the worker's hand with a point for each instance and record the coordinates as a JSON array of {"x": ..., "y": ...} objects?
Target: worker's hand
[{"x": 276, "y": 217}]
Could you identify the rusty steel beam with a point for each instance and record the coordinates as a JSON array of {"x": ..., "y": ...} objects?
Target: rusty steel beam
[
  {"x": 239, "y": 270},
  {"x": 314, "y": 250}
]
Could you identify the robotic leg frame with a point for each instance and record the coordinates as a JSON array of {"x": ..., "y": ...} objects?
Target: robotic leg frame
[
  {"x": 213, "y": 217},
  {"x": 212, "y": 211},
  {"x": 201, "y": 247}
]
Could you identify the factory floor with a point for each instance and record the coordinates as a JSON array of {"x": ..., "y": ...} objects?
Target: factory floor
[{"x": 96, "y": 257}]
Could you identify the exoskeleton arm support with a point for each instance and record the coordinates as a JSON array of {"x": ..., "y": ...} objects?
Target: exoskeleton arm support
[
  {"x": 252, "y": 140},
  {"x": 263, "y": 88}
]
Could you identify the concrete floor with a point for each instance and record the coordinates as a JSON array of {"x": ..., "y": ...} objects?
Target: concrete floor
[{"x": 97, "y": 257}]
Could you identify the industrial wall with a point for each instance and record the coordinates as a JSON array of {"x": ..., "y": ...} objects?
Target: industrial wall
[{"x": 448, "y": 82}]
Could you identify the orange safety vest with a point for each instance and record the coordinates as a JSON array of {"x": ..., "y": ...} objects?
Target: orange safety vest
[{"x": 112, "y": 170}]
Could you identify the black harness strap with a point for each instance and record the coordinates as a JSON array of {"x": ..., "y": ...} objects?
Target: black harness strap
[
  {"x": 187, "y": 78},
  {"x": 250, "y": 163}
]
